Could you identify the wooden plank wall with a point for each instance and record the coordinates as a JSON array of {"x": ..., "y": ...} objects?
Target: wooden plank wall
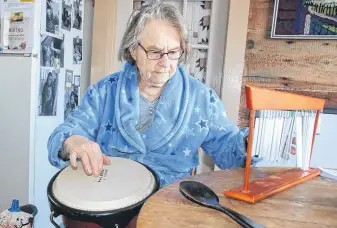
[{"x": 306, "y": 67}]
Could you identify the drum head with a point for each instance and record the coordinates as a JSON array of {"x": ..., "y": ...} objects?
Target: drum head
[{"x": 121, "y": 184}]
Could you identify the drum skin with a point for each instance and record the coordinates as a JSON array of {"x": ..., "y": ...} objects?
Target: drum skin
[{"x": 74, "y": 218}]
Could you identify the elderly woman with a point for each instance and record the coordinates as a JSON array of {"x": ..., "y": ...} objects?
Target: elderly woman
[{"x": 150, "y": 111}]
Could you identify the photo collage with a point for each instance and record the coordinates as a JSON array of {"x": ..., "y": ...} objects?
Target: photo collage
[{"x": 60, "y": 56}]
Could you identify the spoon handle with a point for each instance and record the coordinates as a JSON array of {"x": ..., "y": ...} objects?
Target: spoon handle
[{"x": 243, "y": 220}]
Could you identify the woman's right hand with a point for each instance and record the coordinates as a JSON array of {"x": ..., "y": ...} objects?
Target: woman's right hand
[{"x": 88, "y": 151}]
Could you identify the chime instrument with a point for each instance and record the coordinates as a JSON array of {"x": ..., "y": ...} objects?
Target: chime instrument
[{"x": 278, "y": 120}]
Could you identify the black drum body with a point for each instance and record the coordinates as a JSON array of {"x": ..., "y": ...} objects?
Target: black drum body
[{"x": 91, "y": 219}]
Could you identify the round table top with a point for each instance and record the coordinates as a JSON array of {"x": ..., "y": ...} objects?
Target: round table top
[{"x": 309, "y": 204}]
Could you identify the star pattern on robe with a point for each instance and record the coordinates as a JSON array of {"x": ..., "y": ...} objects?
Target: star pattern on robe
[
  {"x": 108, "y": 127},
  {"x": 160, "y": 101},
  {"x": 212, "y": 100},
  {"x": 113, "y": 80},
  {"x": 65, "y": 135},
  {"x": 85, "y": 115},
  {"x": 90, "y": 112},
  {"x": 187, "y": 152},
  {"x": 92, "y": 93},
  {"x": 212, "y": 118},
  {"x": 93, "y": 131},
  {"x": 131, "y": 75},
  {"x": 212, "y": 140},
  {"x": 102, "y": 92},
  {"x": 197, "y": 109},
  {"x": 189, "y": 132},
  {"x": 73, "y": 123},
  {"x": 202, "y": 124},
  {"x": 130, "y": 99},
  {"x": 168, "y": 105},
  {"x": 162, "y": 118},
  {"x": 210, "y": 92},
  {"x": 102, "y": 144},
  {"x": 222, "y": 128}
]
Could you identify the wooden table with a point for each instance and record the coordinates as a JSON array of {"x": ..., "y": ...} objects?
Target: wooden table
[{"x": 310, "y": 204}]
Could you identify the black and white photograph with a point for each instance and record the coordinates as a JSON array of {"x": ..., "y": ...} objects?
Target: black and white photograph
[
  {"x": 51, "y": 17},
  {"x": 77, "y": 80},
  {"x": 71, "y": 95},
  {"x": 52, "y": 52},
  {"x": 48, "y": 92},
  {"x": 69, "y": 79},
  {"x": 66, "y": 14},
  {"x": 77, "y": 51},
  {"x": 78, "y": 14}
]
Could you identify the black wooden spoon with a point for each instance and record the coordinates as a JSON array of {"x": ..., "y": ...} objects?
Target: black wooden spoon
[{"x": 202, "y": 195}]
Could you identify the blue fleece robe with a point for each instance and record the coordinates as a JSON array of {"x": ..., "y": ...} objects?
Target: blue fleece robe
[{"x": 189, "y": 115}]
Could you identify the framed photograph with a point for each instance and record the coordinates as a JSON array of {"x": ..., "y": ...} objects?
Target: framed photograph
[
  {"x": 305, "y": 19},
  {"x": 77, "y": 80},
  {"x": 69, "y": 79}
]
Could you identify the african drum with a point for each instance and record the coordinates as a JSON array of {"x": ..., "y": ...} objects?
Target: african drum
[{"x": 110, "y": 200}]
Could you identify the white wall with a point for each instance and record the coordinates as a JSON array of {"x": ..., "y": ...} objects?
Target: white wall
[
  {"x": 125, "y": 8},
  {"x": 324, "y": 153},
  {"x": 235, "y": 48},
  {"x": 87, "y": 45}
]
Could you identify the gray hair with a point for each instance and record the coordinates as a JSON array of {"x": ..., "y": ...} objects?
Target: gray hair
[{"x": 138, "y": 20}]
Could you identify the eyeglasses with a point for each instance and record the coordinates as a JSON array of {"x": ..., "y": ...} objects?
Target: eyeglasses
[{"x": 155, "y": 55}]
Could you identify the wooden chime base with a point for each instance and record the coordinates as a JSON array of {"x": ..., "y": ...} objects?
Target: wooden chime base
[{"x": 265, "y": 187}]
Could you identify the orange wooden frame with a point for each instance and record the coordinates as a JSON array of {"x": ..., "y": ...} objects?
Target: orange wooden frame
[{"x": 268, "y": 99}]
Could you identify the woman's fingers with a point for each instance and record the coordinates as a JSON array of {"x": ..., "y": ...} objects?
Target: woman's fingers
[
  {"x": 100, "y": 164},
  {"x": 94, "y": 157},
  {"x": 89, "y": 152},
  {"x": 73, "y": 160},
  {"x": 106, "y": 160},
  {"x": 98, "y": 151},
  {"x": 86, "y": 163}
]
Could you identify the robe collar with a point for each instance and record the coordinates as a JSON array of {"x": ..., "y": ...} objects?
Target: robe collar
[{"x": 170, "y": 110}]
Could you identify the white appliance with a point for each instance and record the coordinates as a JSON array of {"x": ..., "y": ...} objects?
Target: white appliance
[{"x": 24, "y": 166}]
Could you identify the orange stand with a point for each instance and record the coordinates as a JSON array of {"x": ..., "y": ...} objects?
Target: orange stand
[{"x": 267, "y": 99}]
